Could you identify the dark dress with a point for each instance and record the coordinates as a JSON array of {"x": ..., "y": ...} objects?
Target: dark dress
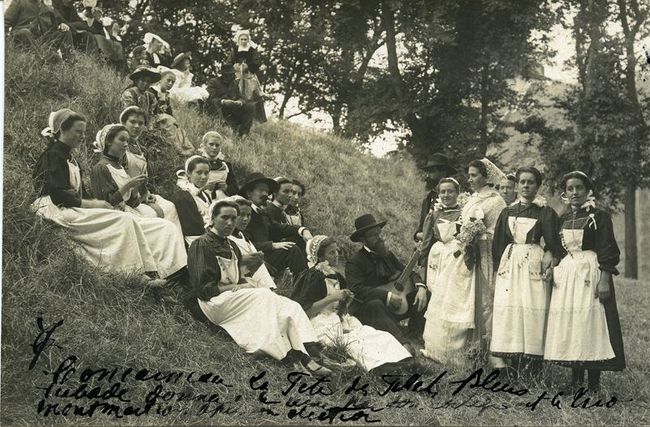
[
  {"x": 104, "y": 186},
  {"x": 164, "y": 102},
  {"x": 52, "y": 176},
  {"x": 146, "y": 101},
  {"x": 190, "y": 217},
  {"x": 310, "y": 287},
  {"x": 364, "y": 272},
  {"x": 580, "y": 340},
  {"x": 427, "y": 202},
  {"x": 251, "y": 58},
  {"x": 30, "y": 20}
]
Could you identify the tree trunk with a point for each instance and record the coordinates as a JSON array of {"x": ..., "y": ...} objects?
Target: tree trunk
[{"x": 631, "y": 265}]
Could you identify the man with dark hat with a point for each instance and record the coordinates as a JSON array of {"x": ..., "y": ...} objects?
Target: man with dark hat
[
  {"x": 266, "y": 234},
  {"x": 226, "y": 99},
  {"x": 437, "y": 167},
  {"x": 373, "y": 266}
]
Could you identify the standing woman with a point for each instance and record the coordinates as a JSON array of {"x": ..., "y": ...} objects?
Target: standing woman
[
  {"x": 135, "y": 163},
  {"x": 192, "y": 199},
  {"x": 113, "y": 184},
  {"x": 323, "y": 294},
  {"x": 245, "y": 58},
  {"x": 109, "y": 239},
  {"x": 584, "y": 330},
  {"x": 438, "y": 246},
  {"x": 522, "y": 288},
  {"x": 257, "y": 319}
]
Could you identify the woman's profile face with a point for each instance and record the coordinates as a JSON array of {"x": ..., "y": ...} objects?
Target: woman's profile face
[
  {"x": 476, "y": 180},
  {"x": 448, "y": 194},
  {"x": 156, "y": 46},
  {"x": 199, "y": 176},
  {"x": 167, "y": 82},
  {"x": 74, "y": 136},
  {"x": 576, "y": 191},
  {"x": 119, "y": 144},
  {"x": 331, "y": 254}
]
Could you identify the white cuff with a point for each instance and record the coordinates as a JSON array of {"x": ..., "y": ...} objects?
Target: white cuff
[
  {"x": 388, "y": 297},
  {"x": 301, "y": 230},
  {"x": 421, "y": 285}
]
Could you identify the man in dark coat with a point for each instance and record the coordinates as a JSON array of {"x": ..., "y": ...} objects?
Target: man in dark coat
[
  {"x": 375, "y": 265},
  {"x": 35, "y": 23},
  {"x": 267, "y": 234},
  {"x": 226, "y": 99},
  {"x": 437, "y": 167}
]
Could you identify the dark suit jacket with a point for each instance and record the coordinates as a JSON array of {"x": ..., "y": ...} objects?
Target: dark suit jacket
[
  {"x": 427, "y": 202},
  {"x": 262, "y": 231},
  {"x": 276, "y": 214},
  {"x": 366, "y": 270}
]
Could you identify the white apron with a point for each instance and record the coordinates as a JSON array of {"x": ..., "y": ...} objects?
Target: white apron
[
  {"x": 261, "y": 278},
  {"x": 258, "y": 319},
  {"x": 109, "y": 239},
  {"x": 219, "y": 176},
  {"x": 521, "y": 297},
  {"x": 368, "y": 346},
  {"x": 577, "y": 327}
]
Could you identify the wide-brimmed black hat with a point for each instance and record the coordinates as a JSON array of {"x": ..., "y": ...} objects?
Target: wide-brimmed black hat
[
  {"x": 255, "y": 178},
  {"x": 143, "y": 70},
  {"x": 437, "y": 160},
  {"x": 364, "y": 223}
]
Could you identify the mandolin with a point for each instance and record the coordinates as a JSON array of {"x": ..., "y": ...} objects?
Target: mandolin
[{"x": 402, "y": 285}]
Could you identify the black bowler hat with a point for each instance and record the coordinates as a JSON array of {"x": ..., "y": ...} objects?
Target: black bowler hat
[
  {"x": 363, "y": 224},
  {"x": 437, "y": 160},
  {"x": 255, "y": 178}
]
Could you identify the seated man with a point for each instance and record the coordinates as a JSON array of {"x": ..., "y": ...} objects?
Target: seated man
[
  {"x": 371, "y": 268},
  {"x": 226, "y": 99},
  {"x": 266, "y": 234},
  {"x": 35, "y": 23}
]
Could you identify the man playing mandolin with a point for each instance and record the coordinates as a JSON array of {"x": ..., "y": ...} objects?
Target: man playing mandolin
[{"x": 385, "y": 290}]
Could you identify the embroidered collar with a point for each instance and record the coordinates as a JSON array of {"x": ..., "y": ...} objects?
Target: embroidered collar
[{"x": 538, "y": 201}]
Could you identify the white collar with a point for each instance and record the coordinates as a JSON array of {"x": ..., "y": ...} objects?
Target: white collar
[
  {"x": 276, "y": 203},
  {"x": 255, "y": 207},
  {"x": 368, "y": 249}
]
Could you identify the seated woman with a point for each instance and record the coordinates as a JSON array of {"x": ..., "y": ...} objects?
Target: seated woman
[
  {"x": 138, "y": 93},
  {"x": 257, "y": 319},
  {"x": 293, "y": 211},
  {"x": 261, "y": 276},
  {"x": 191, "y": 198},
  {"x": 113, "y": 184},
  {"x": 135, "y": 164},
  {"x": 108, "y": 238},
  {"x": 222, "y": 176},
  {"x": 161, "y": 90},
  {"x": 157, "y": 50},
  {"x": 138, "y": 58},
  {"x": 323, "y": 294},
  {"x": 183, "y": 91}
]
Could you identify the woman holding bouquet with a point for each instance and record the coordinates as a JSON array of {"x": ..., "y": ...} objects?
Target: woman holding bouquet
[
  {"x": 471, "y": 279},
  {"x": 523, "y": 266},
  {"x": 584, "y": 330}
]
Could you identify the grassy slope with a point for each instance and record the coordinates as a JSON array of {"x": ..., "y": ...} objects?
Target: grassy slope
[{"x": 111, "y": 321}]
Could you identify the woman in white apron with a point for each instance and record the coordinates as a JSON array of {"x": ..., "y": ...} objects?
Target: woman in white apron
[
  {"x": 135, "y": 164},
  {"x": 323, "y": 294},
  {"x": 108, "y": 238},
  {"x": 438, "y": 246},
  {"x": 261, "y": 277},
  {"x": 192, "y": 199},
  {"x": 222, "y": 177},
  {"x": 523, "y": 266},
  {"x": 245, "y": 59},
  {"x": 111, "y": 183},
  {"x": 258, "y": 320},
  {"x": 584, "y": 330}
]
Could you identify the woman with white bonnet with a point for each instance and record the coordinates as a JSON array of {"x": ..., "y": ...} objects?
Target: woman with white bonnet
[
  {"x": 113, "y": 184},
  {"x": 323, "y": 294},
  {"x": 245, "y": 58},
  {"x": 158, "y": 50},
  {"x": 108, "y": 238}
]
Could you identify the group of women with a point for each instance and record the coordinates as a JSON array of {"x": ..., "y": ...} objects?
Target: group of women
[{"x": 535, "y": 286}]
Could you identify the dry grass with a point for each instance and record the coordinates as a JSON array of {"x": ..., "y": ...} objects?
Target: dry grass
[{"x": 112, "y": 322}]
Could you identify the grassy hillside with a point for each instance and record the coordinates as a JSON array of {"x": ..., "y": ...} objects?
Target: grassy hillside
[{"x": 112, "y": 322}]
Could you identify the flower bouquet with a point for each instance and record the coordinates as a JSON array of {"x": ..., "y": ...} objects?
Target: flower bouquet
[{"x": 468, "y": 238}]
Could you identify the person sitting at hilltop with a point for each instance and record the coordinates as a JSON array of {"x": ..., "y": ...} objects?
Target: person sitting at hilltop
[
  {"x": 34, "y": 23},
  {"x": 93, "y": 21},
  {"x": 108, "y": 238},
  {"x": 222, "y": 175},
  {"x": 293, "y": 212},
  {"x": 184, "y": 92},
  {"x": 245, "y": 58},
  {"x": 227, "y": 101},
  {"x": 323, "y": 294},
  {"x": 266, "y": 234},
  {"x": 257, "y": 319},
  {"x": 192, "y": 197},
  {"x": 138, "y": 93},
  {"x": 277, "y": 208},
  {"x": 161, "y": 90},
  {"x": 261, "y": 276},
  {"x": 158, "y": 50}
]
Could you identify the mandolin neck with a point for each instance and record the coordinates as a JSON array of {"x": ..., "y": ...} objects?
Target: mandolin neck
[{"x": 399, "y": 283}]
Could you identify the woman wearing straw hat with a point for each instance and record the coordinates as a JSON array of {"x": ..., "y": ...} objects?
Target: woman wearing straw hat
[
  {"x": 138, "y": 93},
  {"x": 183, "y": 91}
]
